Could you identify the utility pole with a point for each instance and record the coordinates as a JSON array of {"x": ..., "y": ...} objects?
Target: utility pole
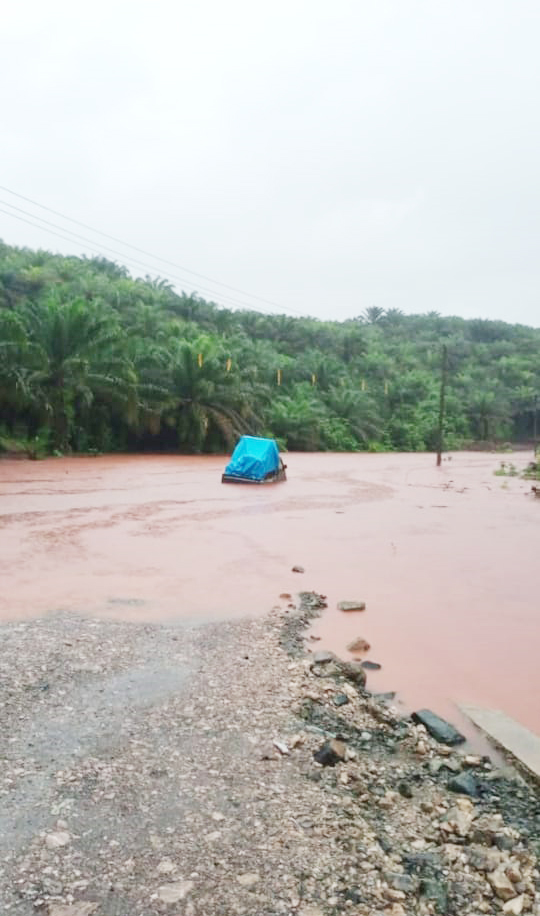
[
  {"x": 535, "y": 414},
  {"x": 442, "y": 403}
]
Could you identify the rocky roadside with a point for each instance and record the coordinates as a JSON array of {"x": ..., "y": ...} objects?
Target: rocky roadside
[{"x": 222, "y": 769}]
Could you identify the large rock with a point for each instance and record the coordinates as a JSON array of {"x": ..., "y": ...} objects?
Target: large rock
[
  {"x": 438, "y": 728},
  {"x": 501, "y": 884}
]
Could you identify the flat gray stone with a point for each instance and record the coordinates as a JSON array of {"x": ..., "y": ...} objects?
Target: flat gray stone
[
  {"x": 351, "y": 606},
  {"x": 438, "y": 728}
]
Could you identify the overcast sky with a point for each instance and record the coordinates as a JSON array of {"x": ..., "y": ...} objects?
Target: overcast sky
[{"x": 326, "y": 155}]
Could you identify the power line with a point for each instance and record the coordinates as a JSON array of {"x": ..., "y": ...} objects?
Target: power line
[
  {"x": 147, "y": 253},
  {"x": 224, "y": 300},
  {"x": 125, "y": 257}
]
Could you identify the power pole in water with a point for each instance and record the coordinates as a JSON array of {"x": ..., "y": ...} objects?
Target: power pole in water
[{"x": 442, "y": 403}]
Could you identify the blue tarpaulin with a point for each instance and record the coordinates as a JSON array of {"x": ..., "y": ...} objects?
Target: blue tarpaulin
[{"x": 253, "y": 458}]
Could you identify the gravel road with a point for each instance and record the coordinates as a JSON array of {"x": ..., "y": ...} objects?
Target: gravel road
[{"x": 151, "y": 770}]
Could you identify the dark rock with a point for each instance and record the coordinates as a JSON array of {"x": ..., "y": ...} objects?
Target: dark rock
[
  {"x": 387, "y": 697},
  {"x": 298, "y": 569},
  {"x": 341, "y": 699},
  {"x": 371, "y": 666},
  {"x": 406, "y": 791},
  {"x": 354, "y": 895},
  {"x": 465, "y": 784},
  {"x": 330, "y": 753},
  {"x": 351, "y": 605},
  {"x": 438, "y": 728},
  {"x": 505, "y": 843}
]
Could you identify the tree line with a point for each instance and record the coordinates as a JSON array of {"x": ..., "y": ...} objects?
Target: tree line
[{"x": 92, "y": 359}]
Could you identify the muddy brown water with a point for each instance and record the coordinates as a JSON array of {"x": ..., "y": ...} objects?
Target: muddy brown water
[{"x": 446, "y": 559}]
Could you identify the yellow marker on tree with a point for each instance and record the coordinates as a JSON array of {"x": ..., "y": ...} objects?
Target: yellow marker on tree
[
  {"x": 313, "y": 378},
  {"x": 200, "y": 360},
  {"x": 363, "y": 384},
  {"x": 386, "y": 387},
  {"x": 229, "y": 364},
  {"x": 279, "y": 376}
]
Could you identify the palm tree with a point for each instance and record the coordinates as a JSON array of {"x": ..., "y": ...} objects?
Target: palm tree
[
  {"x": 75, "y": 357},
  {"x": 209, "y": 405},
  {"x": 357, "y": 409}
]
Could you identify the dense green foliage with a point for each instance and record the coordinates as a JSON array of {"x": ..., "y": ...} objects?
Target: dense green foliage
[{"x": 91, "y": 359}]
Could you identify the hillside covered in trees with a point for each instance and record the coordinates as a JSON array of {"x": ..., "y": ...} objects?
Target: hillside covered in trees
[{"x": 91, "y": 359}]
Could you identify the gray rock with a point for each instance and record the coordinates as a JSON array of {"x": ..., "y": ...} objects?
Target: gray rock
[
  {"x": 465, "y": 784},
  {"x": 323, "y": 657},
  {"x": 443, "y": 763},
  {"x": 371, "y": 666},
  {"x": 351, "y": 605},
  {"x": 438, "y": 728},
  {"x": 341, "y": 699},
  {"x": 401, "y": 882}
]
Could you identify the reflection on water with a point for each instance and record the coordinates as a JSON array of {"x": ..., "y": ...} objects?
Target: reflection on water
[{"x": 444, "y": 558}]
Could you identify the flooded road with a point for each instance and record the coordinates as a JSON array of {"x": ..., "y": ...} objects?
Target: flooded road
[{"x": 445, "y": 559}]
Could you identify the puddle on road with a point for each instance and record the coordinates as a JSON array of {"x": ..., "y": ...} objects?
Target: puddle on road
[{"x": 446, "y": 559}]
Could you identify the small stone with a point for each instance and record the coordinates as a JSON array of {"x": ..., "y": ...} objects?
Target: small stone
[
  {"x": 57, "y": 840},
  {"x": 282, "y": 748},
  {"x": 404, "y": 789},
  {"x": 351, "y": 606},
  {"x": 501, "y": 884},
  {"x": 465, "y": 784},
  {"x": 515, "y": 906},
  {"x": 401, "y": 882},
  {"x": 458, "y": 820},
  {"x": 371, "y": 666},
  {"x": 249, "y": 879},
  {"x": 359, "y": 645},
  {"x": 166, "y": 867},
  {"x": 439, "y": 763},
  {"x": 330, "y": 753},
  {"x": 177, "y": 890},
  {"x": 354, "y": 672},
  {"x": 341, "y": 699},
  {"x": 298, "y": 569}
]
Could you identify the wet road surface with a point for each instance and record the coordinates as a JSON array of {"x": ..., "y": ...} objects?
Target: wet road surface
[{"x": 446, "y": 559}]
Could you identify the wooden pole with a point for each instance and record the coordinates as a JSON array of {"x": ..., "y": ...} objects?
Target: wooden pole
[{"x": 442, "y": 403}]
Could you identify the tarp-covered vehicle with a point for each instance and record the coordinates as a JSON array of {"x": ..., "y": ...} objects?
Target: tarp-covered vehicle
[{"x": 255, "y": 461}]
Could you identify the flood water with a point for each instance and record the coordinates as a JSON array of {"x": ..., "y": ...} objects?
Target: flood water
[{"x": 446, "y": 559}]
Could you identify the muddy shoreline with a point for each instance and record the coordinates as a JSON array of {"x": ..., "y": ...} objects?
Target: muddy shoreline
[{"x": 154, "y": 769}]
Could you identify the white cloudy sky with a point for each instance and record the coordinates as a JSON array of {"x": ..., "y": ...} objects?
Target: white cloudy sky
[{"x": 326, "y": 155}]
